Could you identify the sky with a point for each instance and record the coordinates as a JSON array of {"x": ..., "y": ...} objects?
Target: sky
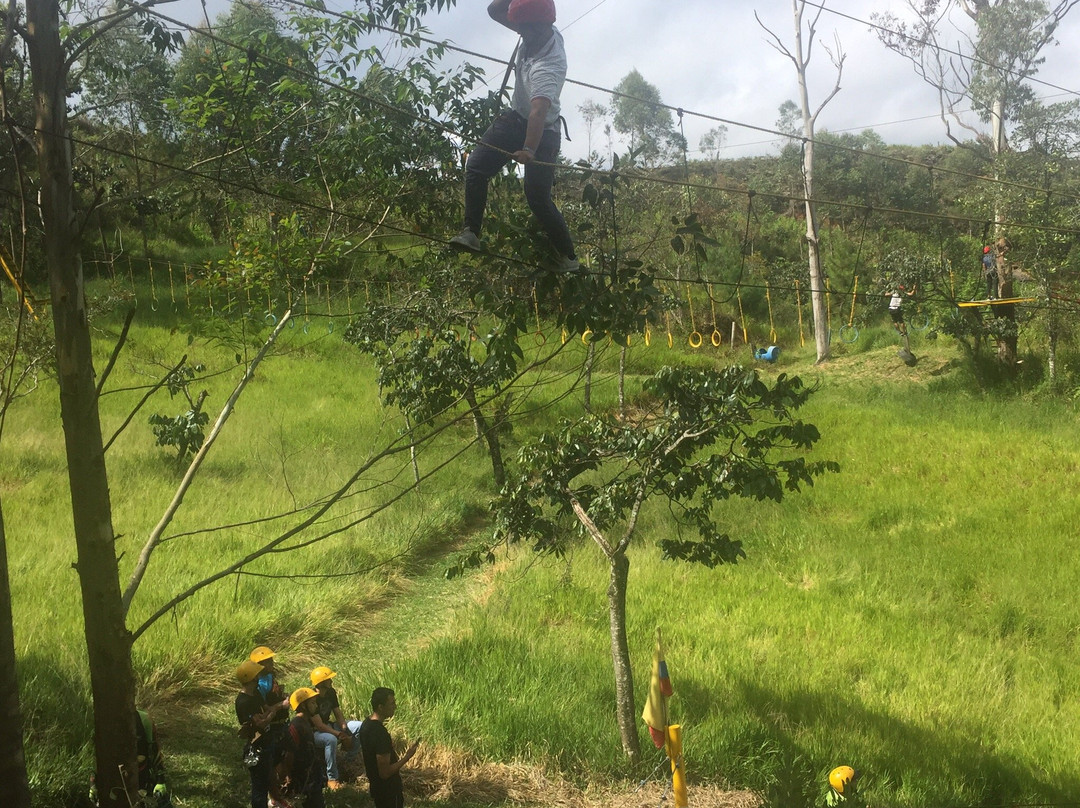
[{"x": 712, "y": 57}]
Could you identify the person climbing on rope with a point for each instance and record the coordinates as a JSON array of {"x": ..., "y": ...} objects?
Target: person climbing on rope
[
  {"x": 528, "y": 132},
  {"x": 990, "y": 273}
]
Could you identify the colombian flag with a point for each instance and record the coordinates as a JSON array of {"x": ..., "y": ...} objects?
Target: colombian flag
[{"x": 655, "y": 712}]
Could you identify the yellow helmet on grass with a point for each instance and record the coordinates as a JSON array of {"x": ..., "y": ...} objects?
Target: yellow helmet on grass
[{"x": 840, "y": 777}]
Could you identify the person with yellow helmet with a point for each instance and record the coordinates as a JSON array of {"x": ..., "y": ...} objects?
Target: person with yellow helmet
[
  {"x": 332, "y": 731},
  {"x": 255, "y": 720},
  {"x": 299, "y": 772}
]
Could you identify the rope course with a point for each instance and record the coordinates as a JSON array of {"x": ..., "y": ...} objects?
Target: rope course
[
  {"x": 447, "y": 130},
  {"x": 715, "y": 338},
  {"x": 681, "y": 111}
]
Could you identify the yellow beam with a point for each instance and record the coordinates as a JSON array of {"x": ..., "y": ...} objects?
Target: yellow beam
[
  {"x": 996, "y": 302},
  {"x": 15, "y": 283}
]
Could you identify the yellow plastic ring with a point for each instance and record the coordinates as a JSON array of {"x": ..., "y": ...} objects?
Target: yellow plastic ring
[
  {"x": 540, "y": 338},
  {"x": 717, "y": 338},
  {"x": 648, "y": 337},
  {"x": 694, "y": 340},
  {"x": 585, "y": 336},
  {"x": 670, "y": 340}
]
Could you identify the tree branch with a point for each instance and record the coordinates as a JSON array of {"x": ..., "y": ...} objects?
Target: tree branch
[
  {"x": 590, "y": 526},
  {"x": 116, "y": 349},
  {"x": 153, "y": 389}
]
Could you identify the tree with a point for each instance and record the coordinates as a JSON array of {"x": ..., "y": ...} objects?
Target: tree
[
  {"x": 591, "y": 112},
  {"x": 990, "y": 73},
  {"x": 108, "y": 641},
  {"x": 800, "y": 57},
  {"x": 712, "y": 142},
  {"x": 703, "y": 436},
  {"x": 639, "y": 113}
]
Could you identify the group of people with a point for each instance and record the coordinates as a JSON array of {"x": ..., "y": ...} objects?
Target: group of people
[{"x": 294, "y": 741}]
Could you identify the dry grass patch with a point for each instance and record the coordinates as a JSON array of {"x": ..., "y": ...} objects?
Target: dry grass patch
[{"x": 445, "y": 776}]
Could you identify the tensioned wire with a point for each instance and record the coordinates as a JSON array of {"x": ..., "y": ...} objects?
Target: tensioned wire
[
  {"x": 510, "y": 259},
  {"x": 426, "y": 120},
  {"x": 513, "y": 259},
  {"x": 714, "y": 118}
]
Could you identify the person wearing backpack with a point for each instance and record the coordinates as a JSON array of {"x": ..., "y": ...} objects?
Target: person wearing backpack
[
  {"x": 299, "y": 773},
  {"x": 255, "y": 719}
]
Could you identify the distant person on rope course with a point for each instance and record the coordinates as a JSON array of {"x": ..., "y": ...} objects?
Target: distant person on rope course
[
  {"x": 299, "y": 774},
  {"x": 255, "y": 717},
  {"x": 381, "y": 762},
  {"x": 990, "y": 273},
  {"x": 332, "y": 731},
  {"x": 896, "y": 308},
  {"x": 528, "y": 132}
]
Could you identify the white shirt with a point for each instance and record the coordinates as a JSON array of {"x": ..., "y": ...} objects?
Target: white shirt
[
  {"x": 542, "y": 75},
  {"x": 895, "y": 301}
]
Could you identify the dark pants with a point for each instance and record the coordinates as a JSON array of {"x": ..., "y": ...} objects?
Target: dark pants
[
  {"x": 505, "y": 136},
  {"x": 388, "y": 799},
  {"x": 991, "y": 286},
  {"x": 260, "y": 781}
]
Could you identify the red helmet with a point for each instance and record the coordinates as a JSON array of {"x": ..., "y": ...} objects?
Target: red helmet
[
  {"x": 986, "y": 249},
  {"x": 521, "y": 11}
]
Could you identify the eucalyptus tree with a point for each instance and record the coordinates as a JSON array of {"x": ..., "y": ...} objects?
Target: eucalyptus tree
[
  {"x": 800, "y": 55},
  {"x": 638, "y": 113},
  {"x": 700, "y": 437}
]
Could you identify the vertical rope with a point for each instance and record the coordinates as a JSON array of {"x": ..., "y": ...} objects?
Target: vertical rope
[
  {"x": 772, "y": 327},
  {"x": 798, "y": 307},
  {"x": 694, "y": 340},
  {"x": 742, "y": 316}
]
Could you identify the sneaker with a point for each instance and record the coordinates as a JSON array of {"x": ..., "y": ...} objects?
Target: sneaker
[
  {"x": 564, "y": 265},
  {"x": 466, "y": 241}
]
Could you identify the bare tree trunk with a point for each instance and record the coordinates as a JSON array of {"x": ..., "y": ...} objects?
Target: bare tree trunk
[
  {"x": 620, "y": 657},
  {"x": 14, "y": 788},
  {"x": 108, "y": 641},
  {"x": 1007, "y": 342},
  {"x": 490, "y": 435},
  {"x": 799, "y": 55}
]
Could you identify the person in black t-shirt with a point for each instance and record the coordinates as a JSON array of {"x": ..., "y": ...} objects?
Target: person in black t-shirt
[
  {"x": 300, "y": 770},
  {"x": 254, "y": 717},
  {"x": 381, "y": 762}
]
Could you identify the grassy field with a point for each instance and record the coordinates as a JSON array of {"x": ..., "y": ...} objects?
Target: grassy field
[{"x": 910, "y": 616}]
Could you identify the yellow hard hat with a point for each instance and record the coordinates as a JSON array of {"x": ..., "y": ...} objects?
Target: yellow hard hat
[
  {"x": 321, "y": 674},
  {"x": 261, "y": 653},
  {"x": 248, "y": 671},
  {"x": 840, "y": 777},
  {"x": 300, "y": 695}
]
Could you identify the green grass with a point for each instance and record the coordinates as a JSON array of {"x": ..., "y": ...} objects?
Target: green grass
[{"x": 911, "y": 616}]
